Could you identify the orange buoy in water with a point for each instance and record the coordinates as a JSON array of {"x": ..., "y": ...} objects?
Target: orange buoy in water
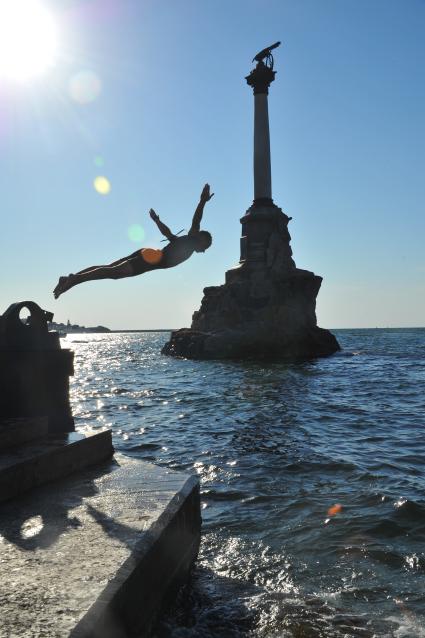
[{"x": 151, "y": 255}]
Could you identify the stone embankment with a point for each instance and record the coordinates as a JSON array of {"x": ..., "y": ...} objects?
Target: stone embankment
[{"x": 92, "y": 545}]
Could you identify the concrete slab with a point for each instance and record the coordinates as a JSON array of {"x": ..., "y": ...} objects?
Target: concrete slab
[
  {"x": 96, "y": 555},
  {"x": 49, "y": 459},
  {"x": 18, "y": 430}
]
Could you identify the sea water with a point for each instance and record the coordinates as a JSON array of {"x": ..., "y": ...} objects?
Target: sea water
[{"x": 312, "y": 478}]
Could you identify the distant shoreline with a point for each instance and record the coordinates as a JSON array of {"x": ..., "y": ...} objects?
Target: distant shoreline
[
  {"x": 350, "y": 329},
  {"x": 146, "y": 330},
  {"x": 128, "y": 330}
]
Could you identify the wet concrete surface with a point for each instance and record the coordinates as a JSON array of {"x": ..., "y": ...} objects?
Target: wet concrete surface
[{"x": 97, "y": 554}]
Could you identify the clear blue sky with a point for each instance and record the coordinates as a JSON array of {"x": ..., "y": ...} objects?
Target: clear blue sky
[{"x": 173, "y": 111}]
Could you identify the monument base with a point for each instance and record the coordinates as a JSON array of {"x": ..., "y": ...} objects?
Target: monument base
[
  {"x": 267, "y": 307},
  {"x": 256, "y": 314}
]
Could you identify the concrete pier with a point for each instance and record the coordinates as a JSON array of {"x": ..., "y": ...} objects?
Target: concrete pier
[
  {"x": 97, "y": 554},
  {"x": 90, "y": 546}
]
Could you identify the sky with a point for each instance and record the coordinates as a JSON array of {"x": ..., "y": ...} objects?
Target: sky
[{"x": 151, "y": 95}]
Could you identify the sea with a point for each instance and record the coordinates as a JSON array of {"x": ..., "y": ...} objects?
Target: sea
[{"x": 312, "y": 478}]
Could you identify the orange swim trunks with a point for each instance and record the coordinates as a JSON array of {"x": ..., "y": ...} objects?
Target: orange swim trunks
[{"x": 151, "y": 255}]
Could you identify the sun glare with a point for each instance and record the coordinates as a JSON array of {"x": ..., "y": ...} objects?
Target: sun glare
[{"x": 28, "y": 39}]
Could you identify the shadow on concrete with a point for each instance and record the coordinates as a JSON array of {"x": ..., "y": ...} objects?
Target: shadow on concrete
[
  {"x": 36, "y": 522},
  {"x": 114, "y": 529},
  {"x": 37, "y": 519}
]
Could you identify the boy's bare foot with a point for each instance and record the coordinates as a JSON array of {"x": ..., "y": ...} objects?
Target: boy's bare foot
[{"x": 64, "y": 284}]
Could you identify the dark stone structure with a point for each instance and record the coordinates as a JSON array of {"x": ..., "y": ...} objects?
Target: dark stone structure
[
  {"x": 266, "y": 308},
  {"x": 38, "y": 442},
  {"x": 34, "y": 370}
]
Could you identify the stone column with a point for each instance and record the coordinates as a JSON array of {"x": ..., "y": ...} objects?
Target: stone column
[
  {"x": 260, "y": 220},
  {"x": 262, "y": 166},
  {"x": 260, "y": 79}
]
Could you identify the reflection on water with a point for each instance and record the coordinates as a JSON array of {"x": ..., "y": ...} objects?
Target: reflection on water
[{"x": 312, "y": 480}]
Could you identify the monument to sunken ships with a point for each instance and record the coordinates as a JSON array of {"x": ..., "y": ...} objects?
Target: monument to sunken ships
[{"x": 266, "y": 308}]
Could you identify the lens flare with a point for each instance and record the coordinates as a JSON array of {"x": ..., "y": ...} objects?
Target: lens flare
[
  {"x": 98, "y": 161},
  {"x": 84, "y": 87},
  {"x": 102, "y": 185},
  {"x": 136, "y": 233},
  {"x": 151, "y": 255}
]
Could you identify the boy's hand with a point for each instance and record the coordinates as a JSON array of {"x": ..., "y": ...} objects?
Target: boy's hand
[
  {"x": 206, "y": 195},
  {"x": 153, "y": 215}
]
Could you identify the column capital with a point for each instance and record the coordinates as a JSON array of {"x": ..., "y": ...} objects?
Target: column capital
[{"x": 260, "y": 78}]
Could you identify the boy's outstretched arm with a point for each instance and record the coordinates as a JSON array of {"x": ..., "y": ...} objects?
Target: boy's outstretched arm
[
  {"x": 162, "y": 227},
  {"x": 196, "y": 221}
]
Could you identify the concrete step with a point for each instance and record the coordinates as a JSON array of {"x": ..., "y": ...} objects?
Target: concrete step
[
  {"x": 49, "y": 459},
  {"x": 18, "y": 430},
  {"x": 97, "y": 554}
]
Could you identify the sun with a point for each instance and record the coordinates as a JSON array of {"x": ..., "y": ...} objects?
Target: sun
[{"x": 28, "y": 39}]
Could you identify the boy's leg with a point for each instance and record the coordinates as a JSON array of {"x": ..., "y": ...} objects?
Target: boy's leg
[
  {"x": 114, "y": 263},
  {"x": 112, "y": 271}
]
